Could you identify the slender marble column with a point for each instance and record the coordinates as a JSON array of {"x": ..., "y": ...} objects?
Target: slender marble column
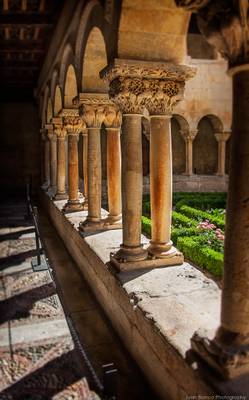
[
  {"x": 94, "y": 179},
  {"x": 74, "y": 126},
  {"x": 189, "y": 138},
  {"x": 221, "y": 137},
  {"x": 114, "y": 174},
  {"x": 85, "y": 169},
  {"x": 53, "y": 157},
  {"x": 160, "y": 185},
  {"x": 61, "y": 163},
  {"x": 46, "y": 159}
]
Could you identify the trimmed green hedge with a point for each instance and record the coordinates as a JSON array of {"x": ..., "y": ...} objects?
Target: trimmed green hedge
[
  {"x": 202, "y": 256},
  {"x": 202, "y": 215},
  {"x": 146, "y": 225},
  {"x": 182, "y": 220},
  {"x": 180, "y": 232}
]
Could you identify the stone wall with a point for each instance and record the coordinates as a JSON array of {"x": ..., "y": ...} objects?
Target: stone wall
[{"x": 20, "y": 155}]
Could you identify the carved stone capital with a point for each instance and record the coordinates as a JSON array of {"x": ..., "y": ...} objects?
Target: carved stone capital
[
  {"x": 139, "y": 85},
  {"x": 50, "y": 132},
  {"x": 225, "y": 24},
  {"x": 113, "y": 117},
  {"x": 96, "y": 109},
  {"x": 188, "y": 135},
  {"x": 222, "y": 136},
  {"x": 59, "y": 128},
  {"x": 73, "y": 122}
]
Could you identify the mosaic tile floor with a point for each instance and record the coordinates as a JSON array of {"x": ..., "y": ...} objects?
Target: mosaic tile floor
[{"x": 38, "y": 359}]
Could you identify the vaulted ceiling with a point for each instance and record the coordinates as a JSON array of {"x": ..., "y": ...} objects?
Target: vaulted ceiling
[{"x": 26, "y": 27}]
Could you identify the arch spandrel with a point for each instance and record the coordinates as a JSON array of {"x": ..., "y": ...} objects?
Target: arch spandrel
[{"x": 57, "y": 100}]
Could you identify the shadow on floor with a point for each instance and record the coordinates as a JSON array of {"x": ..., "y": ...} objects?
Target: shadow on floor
[
  {"x": 15, "y": 259},
  {"x": 48, "y": 380},
  {"x": 16, "y": 235},
  {"x": 19, "y": 306}
]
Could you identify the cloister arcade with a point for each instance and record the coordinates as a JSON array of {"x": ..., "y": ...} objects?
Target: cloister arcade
[{"x": 126, "y": 108}]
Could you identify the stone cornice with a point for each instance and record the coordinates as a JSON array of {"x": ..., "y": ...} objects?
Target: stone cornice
[
  {"x": 147, "y": 69},
  {"x": 92, "y": 99},
  {"x": 139, "y": 85}
]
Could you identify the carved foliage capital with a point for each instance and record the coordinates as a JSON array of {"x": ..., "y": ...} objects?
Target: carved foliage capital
[
  {"x": 93, "y": 114},
  {"x": 113, "y": 117},
  {"x": 134, "y": 95},
  {"x": 72, "y": 122}
]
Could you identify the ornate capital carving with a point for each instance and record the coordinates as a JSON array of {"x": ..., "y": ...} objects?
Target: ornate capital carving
[
  {"x": 73, "y": 123},
  {"x": 113, "y": 117},
  {"x": 50, "y": 132},
  {"x": 225, "y": 25},
  {"x": 188, "y": 135},
  {"x": 136, "y": 85},
  {"x": 59, "y": 128},
  {"x": 96, "y": 109}
]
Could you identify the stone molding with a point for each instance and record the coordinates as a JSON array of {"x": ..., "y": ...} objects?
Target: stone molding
[
  {"x": 225, "y": 24},
  {"x": 139, "y": 85},
  {"x": 189, "y": 135},
  {"x": 97, "y": 109},
  {"x": 222, "y": 136},
  {"x": 72, "y": 121}
]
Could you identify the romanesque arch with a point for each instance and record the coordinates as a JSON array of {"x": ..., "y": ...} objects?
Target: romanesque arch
[
  {"x": 70, "y": 88},
  {"x": 205, "y": 146},
  {"x": 95, "y": 59},
  {"x": 178, "y": 126}
]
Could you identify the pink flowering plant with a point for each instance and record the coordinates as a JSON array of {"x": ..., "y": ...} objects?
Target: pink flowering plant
[{"x": 212, "y": 236}]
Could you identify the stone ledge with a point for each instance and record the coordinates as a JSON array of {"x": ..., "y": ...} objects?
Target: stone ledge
[{"x": 154, "y": 311}]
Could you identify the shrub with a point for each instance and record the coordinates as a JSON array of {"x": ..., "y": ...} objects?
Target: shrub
[
  {"x": 200, "y": 215},
  {"x": 180, "y": 220},
  {"x": 146, "y": 225},
  {"x": 179, "y": 232},
  {"x": 203, "y": 256}
]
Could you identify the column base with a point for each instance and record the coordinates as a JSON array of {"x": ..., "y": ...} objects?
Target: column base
[
  {"x": 72, "y": 206},
  {"x": 161, "y": 250},
  {"x": 91, "y": 225},
  {"x": 113, "y": 222},
  {"x": 230, "y": 361},
  {"x": 60, "y": 196},
  {"x": 85, "y": 205},
  {"x": 125, "y": 262}
]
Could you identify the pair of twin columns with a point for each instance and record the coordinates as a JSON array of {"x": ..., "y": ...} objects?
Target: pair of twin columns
[{"x": 133, "y": 88}]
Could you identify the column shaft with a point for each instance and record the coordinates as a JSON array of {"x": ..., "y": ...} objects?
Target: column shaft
[
  {"x": 53, "y": 162},
  {"x": 221, "y": 157},
  {"x": 61, "y": 169},
  {"x": 235, "y": 294},
  {"x": 85, "y": 167},
  {"x": 132, "y": 189},
  {"x": 189, "y": 156},
  {"x": 160, "y": 183},
  {"x": 47, "y": 162},
  {"x": 114, "y": 173}
]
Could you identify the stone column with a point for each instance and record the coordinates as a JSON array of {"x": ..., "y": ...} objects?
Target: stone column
[
  {"x": 61, "y": 159},
  {"x": 53, "y": 156},
  {"x": 189, "y": 138},
  {"x": 134, "y": 86},
  {"x": 221, "y": 137},
  {"x": 228, "y": 351},
  {"x": 92, "y": 111},
  {"x": 112, "y": 123},
  {"x": 46, "y": 159},
  {"x": 85, "y": 169},
  {"x": 74, "y": 126}
]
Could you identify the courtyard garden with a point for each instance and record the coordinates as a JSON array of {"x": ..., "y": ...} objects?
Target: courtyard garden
[{"x": 198, "y": 224}]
